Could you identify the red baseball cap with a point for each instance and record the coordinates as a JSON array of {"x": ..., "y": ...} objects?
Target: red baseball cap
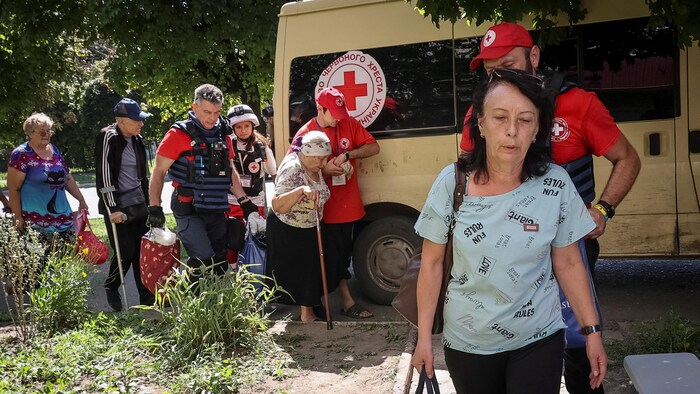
[
  {"x": 499, "y": 40},
  {"x": 333, "y": 100}
]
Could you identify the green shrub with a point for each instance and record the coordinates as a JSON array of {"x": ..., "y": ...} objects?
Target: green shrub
[
  {"x": 21, "y": 264},
  {"x": 227, "y": 310},
  {"x": 59, "y": 302}
]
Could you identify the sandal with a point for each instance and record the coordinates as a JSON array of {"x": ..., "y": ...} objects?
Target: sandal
[{"x": 356, "y": 312}]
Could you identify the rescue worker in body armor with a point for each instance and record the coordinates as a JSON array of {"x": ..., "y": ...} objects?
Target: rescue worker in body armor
[
  {"x": 197, "y": 155},
  {"x": 253, "y": 158},
  {"x": 583, "y": 127}
]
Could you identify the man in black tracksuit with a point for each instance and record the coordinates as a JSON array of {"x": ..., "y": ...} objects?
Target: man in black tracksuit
[{"x": 122, "y": 186}]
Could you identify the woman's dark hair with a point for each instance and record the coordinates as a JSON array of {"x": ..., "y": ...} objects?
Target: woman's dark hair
[{"x": 539, "y": 154}]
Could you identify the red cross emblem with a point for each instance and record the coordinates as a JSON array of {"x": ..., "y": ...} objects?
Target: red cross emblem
[
  {"x": 352, "y": 90},
  {"x": 489, "y": 38},
  {"x": 254, "y": 167},
  {"x": 560, "y": 130}
]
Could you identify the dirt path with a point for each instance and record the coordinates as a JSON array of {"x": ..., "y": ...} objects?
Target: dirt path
[{"x": 352, "y": 358}]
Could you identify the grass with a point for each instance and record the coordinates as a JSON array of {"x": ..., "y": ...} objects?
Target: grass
[
  {"x": 213, "y": 341},
  {"x": 125, "y": 353},
  {"x": 669, "y": 334}
]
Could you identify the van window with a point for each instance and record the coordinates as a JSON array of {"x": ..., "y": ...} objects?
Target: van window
[
  {"x": 419, "y": 81},
  {"x": 632, "y": 69}
]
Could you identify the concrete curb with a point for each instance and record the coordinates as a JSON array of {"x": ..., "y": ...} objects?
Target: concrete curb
[{"x": 404, "y": 371}]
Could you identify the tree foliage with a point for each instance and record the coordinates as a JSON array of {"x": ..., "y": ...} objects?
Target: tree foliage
[
  {"x": 165, "y": 49},
  {"x": 681, "y": 13},
  {"x": 55, "y": 53}
]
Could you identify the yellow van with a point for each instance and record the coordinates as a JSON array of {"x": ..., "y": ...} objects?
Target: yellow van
[{"x": 409, "y": 83}]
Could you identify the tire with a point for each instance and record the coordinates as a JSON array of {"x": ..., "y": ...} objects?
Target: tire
[{"x": 381, "y": 255}]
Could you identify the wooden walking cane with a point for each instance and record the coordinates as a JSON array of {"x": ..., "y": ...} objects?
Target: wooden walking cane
[{"x": 329, "y": 320}]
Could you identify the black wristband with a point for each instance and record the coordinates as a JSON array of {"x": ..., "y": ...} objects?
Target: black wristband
[
  {"x": 347, "y": 155},
  {"x": 242, "y": 199},
  {"x": 588, "y": 330},
  {"x": 609, "y": 208}
]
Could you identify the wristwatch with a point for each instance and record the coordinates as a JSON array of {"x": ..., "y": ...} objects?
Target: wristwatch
[
  {"x": 588, "y": 330},
  {"x": 609, "y": 208},
  {"x": 347, "y": 155}
]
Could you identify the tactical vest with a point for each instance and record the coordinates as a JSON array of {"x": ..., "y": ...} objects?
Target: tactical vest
[
  {"x": 205, "y": 169},
  {"x": 581, "y": 172},
  {"x": 251, "y": 163},
  {"x": 581, "y": 169}
]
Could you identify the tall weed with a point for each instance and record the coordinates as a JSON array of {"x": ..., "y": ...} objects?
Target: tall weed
[
  {"x": 227, "y": 310},
  {"x": 59, "y": 303},
  {"x": 21, "y": 264}
]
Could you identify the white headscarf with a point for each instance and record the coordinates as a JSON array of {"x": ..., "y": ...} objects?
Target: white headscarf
[{"x": 315, "y": 143}]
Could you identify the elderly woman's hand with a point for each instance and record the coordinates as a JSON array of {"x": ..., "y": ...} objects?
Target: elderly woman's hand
[
  {"x": 331, "y": 168},
  {"x": 308, "y": 194}
]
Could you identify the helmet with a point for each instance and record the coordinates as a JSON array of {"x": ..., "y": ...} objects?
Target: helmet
[{"x": 242, "y": 113}]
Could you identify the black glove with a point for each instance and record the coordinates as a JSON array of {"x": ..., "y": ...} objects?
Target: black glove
[
  {"x": 248, "y": 208},
  {"x": 156, "y": 218}
]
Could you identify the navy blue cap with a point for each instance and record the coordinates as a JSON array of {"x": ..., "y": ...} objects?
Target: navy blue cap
[{"x": 128, "y": 108}]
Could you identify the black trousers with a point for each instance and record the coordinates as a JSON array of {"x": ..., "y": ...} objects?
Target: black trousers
[
  {"x": 535, "y": 368},
  {"x": 576, "y": 365},
  {"x": 129, "y": 236},
  {"x": 340, "y": 242}
]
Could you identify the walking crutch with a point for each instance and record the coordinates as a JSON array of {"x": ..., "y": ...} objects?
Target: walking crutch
[
  {"x": 329, "y": 319},
  {"x": 104, "y": 192}
]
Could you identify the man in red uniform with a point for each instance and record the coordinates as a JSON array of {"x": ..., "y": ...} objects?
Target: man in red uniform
[
  {"x": 349, "y": 141},
  {"x": 582, "y": 127}
]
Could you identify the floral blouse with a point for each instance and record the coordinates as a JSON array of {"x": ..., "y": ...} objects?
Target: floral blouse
[
  {"x": 290, "y": 175},
  {"x": 43, "y": 193}
]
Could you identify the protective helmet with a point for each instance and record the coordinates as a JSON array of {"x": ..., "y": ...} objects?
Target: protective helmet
[{"x": 242, "y": 113}]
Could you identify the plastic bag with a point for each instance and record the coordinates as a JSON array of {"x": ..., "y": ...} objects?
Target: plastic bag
[
  {"x": 90, "y": 248},
  {"x": 254, "y": 255},
  {"x": 163, "y": 236}
]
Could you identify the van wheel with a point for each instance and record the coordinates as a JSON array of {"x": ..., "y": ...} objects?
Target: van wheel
[{"x": 381, "y": 255}]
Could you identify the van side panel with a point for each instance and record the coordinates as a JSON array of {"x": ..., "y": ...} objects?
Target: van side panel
[
  {"x": 689, "y": 171},
  {"x": 645, "y": 222}
]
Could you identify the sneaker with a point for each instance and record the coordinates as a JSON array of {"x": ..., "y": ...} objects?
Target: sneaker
[{"x": 114, "y": 300}]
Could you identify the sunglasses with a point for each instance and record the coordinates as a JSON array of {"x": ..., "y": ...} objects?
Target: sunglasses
[
  {"x": 506, "y": 73},
  {"x": 44, "y": 133}
]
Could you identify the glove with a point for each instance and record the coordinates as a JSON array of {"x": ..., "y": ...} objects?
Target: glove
[
  {"x": 248, "y": 208},
  {"x": 156, "y": 218}
]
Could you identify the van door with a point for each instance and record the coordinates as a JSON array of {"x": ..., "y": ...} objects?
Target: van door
[{"x": 689, "y": 155}]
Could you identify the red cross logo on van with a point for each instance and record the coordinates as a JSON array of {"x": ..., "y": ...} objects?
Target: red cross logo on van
[
  {"x": 352, "y": 90},
  {"x": 361, "y": 79}
]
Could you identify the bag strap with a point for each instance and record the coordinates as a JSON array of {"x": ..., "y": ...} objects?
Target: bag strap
[
  {"x": 431, "y": 384},
  {"x": 87, "y": 222},
  {"x": 460, "y": 187}
]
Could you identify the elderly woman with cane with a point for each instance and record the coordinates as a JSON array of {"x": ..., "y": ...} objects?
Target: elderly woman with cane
[{"x": 294, "y": 258}]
